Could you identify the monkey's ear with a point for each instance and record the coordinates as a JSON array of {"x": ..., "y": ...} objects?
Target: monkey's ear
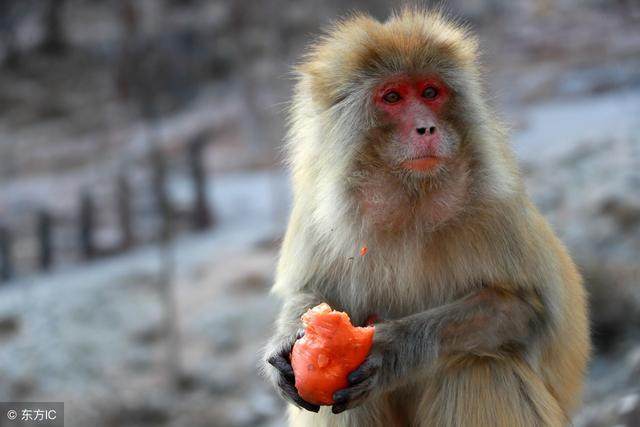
[
  {"x": 331, "y": 64},
  {"x": 447, "y": 35},
  {"x": 463, "y": 46}
]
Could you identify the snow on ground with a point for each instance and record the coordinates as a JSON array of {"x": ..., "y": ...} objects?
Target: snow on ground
[
  {"x": 75, "y": 327},
  {"x": 555, "y": 128}
]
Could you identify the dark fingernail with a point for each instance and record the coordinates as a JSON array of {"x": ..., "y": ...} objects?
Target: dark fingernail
[
  {"x": 337, "y": 408},
  {"x": 340, "y": 397},
  {"x": 308, "y": 406}
]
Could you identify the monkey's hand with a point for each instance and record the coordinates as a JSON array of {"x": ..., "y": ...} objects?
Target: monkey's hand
[
  {"x": 281, "y": 374},
  {"x": 372, "y": 376}
]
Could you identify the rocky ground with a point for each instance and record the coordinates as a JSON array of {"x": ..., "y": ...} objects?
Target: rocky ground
[{"x": 99, "y": 339}]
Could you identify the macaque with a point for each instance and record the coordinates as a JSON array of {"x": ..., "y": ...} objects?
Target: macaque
[{"x": 481, "y": 312}]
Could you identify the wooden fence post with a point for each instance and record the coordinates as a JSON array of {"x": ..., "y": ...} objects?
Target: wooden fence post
[
  {"x": 45, "y": 241},
  {"x": 161, "y": 193},
  {"x": 125, "y": 216},
  {"x": 201, "y": 214},
  {"x": 87, "y": 222},
  {"x": 6, "y": 256},
  {"x": 167, "y": 264}
]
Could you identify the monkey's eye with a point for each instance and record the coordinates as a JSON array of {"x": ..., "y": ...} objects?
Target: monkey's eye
[
  {"x": 430, "y": 92},
  {"x": 391, "y": 97}
]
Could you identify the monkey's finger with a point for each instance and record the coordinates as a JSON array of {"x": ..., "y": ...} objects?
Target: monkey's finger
[
  {"x": 350, "y": 397},
  {"x": 363, "y": 372},
  {"x": 352, "y": 394},
  {"x": 283, "y": 366},
  {"x": 306, "y": 405},
  {"x": 286, "y": 350},
  {"x": 338, "y": 408},
  {"x": 341, "y": 407},
  {"x": 291, "y": 392}
]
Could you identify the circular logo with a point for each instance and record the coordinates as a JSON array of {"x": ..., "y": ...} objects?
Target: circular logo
[{"x": 12, "y": 414}]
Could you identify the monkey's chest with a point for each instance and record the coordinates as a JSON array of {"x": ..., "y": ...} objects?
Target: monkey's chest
[
  {"x": 389, "y": 287},
  {"x": 387, "y": 208},
  {"x": 384, "y": 207}
]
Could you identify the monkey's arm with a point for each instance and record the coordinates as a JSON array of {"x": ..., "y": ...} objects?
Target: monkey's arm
[
  {"x": 486, "y": 322},
  {"x": 277, "y": 366}
]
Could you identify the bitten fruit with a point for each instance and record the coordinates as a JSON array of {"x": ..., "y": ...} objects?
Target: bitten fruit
[{"x": 330, "y": 349}]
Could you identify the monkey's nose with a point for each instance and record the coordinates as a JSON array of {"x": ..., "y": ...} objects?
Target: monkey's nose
[{"x": 422, "y": 131}]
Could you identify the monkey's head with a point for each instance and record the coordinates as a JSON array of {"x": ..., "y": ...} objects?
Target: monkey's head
[{"x": 397, "y": 103}]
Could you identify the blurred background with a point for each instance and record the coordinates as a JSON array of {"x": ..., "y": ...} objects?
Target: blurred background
[{"x": 143, "y": 196}]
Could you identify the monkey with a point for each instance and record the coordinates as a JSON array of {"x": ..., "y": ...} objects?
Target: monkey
[{"x": 393, "y": 147}]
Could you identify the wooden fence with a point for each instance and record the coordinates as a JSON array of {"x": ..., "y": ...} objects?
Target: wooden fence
[{"x": 169, "y": 218}]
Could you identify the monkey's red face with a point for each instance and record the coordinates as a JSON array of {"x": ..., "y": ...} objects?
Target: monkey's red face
[{"x": 410, "y": 110}]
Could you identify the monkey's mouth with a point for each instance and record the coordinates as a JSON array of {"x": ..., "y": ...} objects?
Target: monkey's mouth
[{"x": 422, "y": 164}]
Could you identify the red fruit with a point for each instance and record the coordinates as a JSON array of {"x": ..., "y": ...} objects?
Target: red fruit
[{"x": 330, "y": 349}]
